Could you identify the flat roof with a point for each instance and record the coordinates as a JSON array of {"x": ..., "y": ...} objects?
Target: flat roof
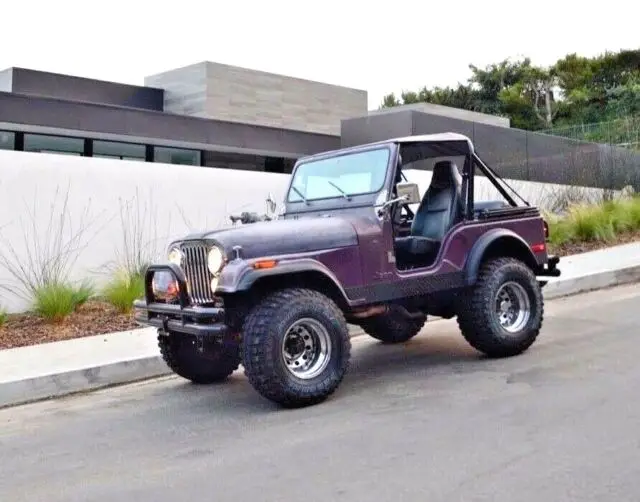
[
  {"x": 447, "y": 111},
  {"x": 49, "y": 115}
]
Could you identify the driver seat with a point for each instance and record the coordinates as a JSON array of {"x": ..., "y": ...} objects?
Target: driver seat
[{"x": 439, "y": 210}]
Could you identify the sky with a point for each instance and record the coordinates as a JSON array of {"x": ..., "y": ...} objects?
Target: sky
[{"x": 382, "y": 48}]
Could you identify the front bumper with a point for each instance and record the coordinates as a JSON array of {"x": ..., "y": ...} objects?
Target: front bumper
[{"x": 180, "y": 317}]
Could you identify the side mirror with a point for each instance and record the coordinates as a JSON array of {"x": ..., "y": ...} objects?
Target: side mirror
[{"x": 409, "y": 191}]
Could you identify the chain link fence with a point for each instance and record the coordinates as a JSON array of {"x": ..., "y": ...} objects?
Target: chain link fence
[{"x": 623, "y": 132}]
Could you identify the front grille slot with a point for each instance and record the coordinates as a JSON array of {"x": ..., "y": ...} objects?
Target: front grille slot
[{"x": 194, "y": 264}]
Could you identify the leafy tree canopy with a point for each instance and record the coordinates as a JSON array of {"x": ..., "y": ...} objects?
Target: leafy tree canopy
[{"x": 574, "y": 90}]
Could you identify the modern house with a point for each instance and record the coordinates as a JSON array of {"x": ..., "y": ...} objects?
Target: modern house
[
  {"x": 216, "y": 115},
  {"x": 205, "y": 114}
]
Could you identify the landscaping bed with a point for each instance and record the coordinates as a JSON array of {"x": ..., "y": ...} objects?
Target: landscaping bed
[
  {"x": 95, "y": 317},
  {"x": 62, "y": 312},
  {"x": 571, "y": 248}
]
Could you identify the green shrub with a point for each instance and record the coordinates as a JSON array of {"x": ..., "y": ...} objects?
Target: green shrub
[
  {"x": 626, "y": 215},
  {"x": 3, "y": 318},
  {"x": 84, "y": 293},
  {"x": 592, "y": 223},
  {"x": 56, "y": 301},
  {"x": 560, "y": 231},
  {"x": 123, "y": 289},
  {"x": 601, "y": 223}
]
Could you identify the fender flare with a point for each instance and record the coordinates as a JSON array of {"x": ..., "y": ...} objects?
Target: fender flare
[
  {"x": 478, "y": 250},
  {"x": 247, "y": 276}
]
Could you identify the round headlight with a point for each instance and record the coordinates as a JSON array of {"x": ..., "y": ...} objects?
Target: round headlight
[
  {"x": 214, "y": 284},
  {"x": 215, "y": 260},
  {"x": 175, "y": 256},
  {"x": 164, "y": 286}
]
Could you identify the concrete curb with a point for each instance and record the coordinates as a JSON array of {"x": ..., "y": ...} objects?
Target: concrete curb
[
  {"x": 592, "y": 282},
  {"x": 83, "y": 380},
  {"x": 57, "y": 385}
]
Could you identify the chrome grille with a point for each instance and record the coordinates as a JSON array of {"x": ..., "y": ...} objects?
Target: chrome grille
[{"x": 194, "y": 264}]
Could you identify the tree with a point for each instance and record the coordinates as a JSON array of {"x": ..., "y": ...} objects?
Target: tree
[
  {"x": 493, "y": 80},
  {"x": 532, "y": 92},
  {"x": 575, "y": 89}
]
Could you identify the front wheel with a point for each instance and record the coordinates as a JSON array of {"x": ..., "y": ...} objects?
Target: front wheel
[
  {"x": 502, "y": 314},
  {"x": 296, "y": 347}
]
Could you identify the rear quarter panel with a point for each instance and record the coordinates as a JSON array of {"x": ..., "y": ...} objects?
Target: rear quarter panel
[{"x": 461, "y": 241}]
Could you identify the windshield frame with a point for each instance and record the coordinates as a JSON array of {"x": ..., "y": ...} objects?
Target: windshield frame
[{"x": 338, "y": 198}]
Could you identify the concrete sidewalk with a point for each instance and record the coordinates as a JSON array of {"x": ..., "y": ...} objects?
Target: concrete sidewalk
[
  {"x": 61, "y": 368},
  {"x": 596, "y": 270}
]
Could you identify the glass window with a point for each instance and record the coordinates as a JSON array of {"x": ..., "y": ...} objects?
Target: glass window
[
  {"x": 351, "y": 174},
  {"x": 116, "y": 150},
  {"x": 7, "y": 140},
  {"x": 53, "y": 144},
  {"x": 168, "y": 155}
]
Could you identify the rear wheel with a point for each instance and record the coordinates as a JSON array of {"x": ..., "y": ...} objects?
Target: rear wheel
[
  {"x": 182, "y": 356},
  {"x": 502, "y": 314},
  {"x": 296, "y": 347},
  {"x": 392, "y": 327}
]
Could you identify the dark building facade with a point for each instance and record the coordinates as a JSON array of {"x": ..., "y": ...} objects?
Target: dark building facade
[
  {"x": 515, "y": 153},
  {"x": 52, "y": 113},
  {"x": 215, "y": 115}
]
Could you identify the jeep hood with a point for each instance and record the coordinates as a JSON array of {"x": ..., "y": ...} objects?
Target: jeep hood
[{"x": 278, "y": 237}]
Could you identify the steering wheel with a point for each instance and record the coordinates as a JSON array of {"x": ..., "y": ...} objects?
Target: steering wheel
[{"x": 397, "y": 218}]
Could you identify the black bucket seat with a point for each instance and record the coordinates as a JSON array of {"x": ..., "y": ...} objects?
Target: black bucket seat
[{"x": 439, "y": 210}]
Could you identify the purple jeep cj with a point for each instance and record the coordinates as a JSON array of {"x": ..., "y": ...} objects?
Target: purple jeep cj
[{"x": 348, "y": 247}]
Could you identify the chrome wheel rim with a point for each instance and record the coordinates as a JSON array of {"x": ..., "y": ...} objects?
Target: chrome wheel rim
[
  {"x": 512, "y": 307},
  {"x": 306, "y": 348}
]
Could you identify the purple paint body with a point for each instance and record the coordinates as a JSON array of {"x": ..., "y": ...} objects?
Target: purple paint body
[{"x": 351, "y": 247}]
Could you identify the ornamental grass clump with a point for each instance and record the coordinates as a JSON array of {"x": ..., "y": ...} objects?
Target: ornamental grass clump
[
  {"x": 56, "y": 301},
  {"x": 123, "y": 289},
  {"x": 603, "y": 222}
]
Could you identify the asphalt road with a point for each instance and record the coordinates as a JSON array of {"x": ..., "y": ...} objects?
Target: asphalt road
[{"x": 430, "y": 421}]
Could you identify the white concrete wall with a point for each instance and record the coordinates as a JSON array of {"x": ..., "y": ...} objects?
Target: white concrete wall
[{"x": 164, "y": 201}]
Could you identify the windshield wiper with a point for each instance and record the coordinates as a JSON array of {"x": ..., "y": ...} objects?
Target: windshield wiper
[
  {"x": 344, "y": 194},
  {"x": 300, "y": 194}
]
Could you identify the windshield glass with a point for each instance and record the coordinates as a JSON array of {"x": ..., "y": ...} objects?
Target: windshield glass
[{"x": 341, "y": 176}]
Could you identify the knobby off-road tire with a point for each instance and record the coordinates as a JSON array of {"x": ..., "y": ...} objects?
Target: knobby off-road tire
[
  {"x": 296, "y": 347},
  {"x": 484, "y": 315},
  {"x": 181, "y": 355},
  {"x": 392, "y": 327}
]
